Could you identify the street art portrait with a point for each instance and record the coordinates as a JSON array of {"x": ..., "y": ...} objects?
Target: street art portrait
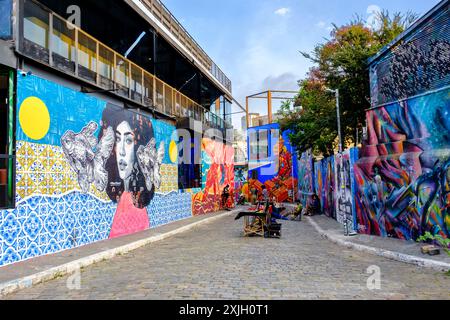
[
  {"x": 124, "y": 162},
  {"x": 86, "y": 171},
  {"x": 344, "y": 195}
]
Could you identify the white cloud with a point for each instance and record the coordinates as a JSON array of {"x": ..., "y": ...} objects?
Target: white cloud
[
  {"x": 282, "y": 11},
  {"x": 321, "y": 24},
  {"x": 372, "y": 13}
]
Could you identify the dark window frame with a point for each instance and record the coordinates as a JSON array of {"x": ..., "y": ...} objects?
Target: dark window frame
[{"x": 10, "y": 197}]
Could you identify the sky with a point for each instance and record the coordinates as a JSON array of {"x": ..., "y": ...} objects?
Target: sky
[{"x": 257, "y": 42}]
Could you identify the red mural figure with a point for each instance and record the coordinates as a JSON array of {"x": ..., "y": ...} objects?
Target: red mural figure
[{"x": 219, "y": 175}]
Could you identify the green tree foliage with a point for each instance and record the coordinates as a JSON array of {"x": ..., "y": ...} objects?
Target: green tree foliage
[{"x": 340, "y": 63}]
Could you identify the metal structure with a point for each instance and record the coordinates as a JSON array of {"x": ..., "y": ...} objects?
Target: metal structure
[
  {"x": 167, "y": 19},
  {"x": 269, "y": 95}
]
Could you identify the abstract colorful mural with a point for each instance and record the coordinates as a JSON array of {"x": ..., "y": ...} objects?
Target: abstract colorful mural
[
  {"x": 324, "y": 172},
  {"x": 217, "y": 173},
  {"x": 240, "y": 182},
  {"x": 274, "y": 163},
  {"x": 306, "y": 177},
  {"x": 403, "y": 176},
  {"x": 86, "y": 171}
]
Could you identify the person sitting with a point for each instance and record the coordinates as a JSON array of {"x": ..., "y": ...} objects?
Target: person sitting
[
  {"x": 313, "y": 206},
  {"x": 225, "y": 196},
  {"x": 277, "y": 210},
  {"x": 296, "y": 215}
]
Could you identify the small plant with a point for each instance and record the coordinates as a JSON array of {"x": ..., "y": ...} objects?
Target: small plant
[{"x": 437, "y": 239}]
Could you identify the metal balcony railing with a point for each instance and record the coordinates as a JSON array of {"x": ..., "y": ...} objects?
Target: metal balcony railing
[
  {"x": 160, "y": 11},
  {"x": 50, "y": 39}
]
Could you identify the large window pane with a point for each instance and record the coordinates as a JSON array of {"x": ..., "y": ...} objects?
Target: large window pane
[
  {"x": 168, "y": 99},
  {"x": 106, "y": 67},
  {"x": 87, "y": 57},
  {"x": 136, "y": 83},
  {"x": 122, "y": 75},
  {"x": 178, "y": 104},
  {"x": 263, "y": 144},
  {"x": 148, "y": 90},
  {"x": 63, "y": 45},
  {"x": 5, "y": 21},
  {"x": 159, "y": 95},
  {"x": 36, "y": 31},
  {"x": 184, "y": 107}
]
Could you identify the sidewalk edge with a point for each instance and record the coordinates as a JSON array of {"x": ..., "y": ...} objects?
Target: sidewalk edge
[
  {"x": 392, "y": 255},
  {"x": 13, "y": 286}
]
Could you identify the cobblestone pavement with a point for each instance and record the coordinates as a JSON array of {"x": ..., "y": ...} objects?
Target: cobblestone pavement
[{"x": 215, "y": 262}]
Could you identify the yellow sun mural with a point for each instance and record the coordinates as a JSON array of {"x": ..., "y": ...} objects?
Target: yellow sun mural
[{"x": 34, "y": 118}]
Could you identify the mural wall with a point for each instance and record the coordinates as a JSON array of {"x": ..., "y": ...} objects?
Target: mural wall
[
  {"x": 324, "y": 172},
  {"x": 403, "y": 176},
  {"x": 86, "y": 171},
  {"x": 240, "y": 181},
  {"x": 273, "y": 163},
  {"x": 217, "y": 173},
  {"x": 345, "y": 187},
  {"x": 306, "y": 177}
]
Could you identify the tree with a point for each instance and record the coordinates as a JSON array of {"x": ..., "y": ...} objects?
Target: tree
[{"x": 340, "y": 63}]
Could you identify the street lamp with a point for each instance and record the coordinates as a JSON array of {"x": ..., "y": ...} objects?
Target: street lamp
[
  {"x": 341, "y": 150},
  {"x": 336, "y": 92}
]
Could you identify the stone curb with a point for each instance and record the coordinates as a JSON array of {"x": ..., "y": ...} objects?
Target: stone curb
[
  {"x": 73, "y": 266},
  {"x": 401, "y": 257}
]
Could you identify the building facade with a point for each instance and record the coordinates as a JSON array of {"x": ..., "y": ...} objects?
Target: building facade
[{"x": 104, "y": 105}]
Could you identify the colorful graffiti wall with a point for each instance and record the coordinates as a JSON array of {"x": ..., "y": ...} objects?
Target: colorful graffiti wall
[
  {"x": 273, "y": 163},
  {"x": 403, "y": 178},
  {"x": 345, "y": 187},
  {"x": 324, "y": 184},
  {"x": 217, "y": 173},
  {"x": 306, "y": 177},
  {"x": 240, "y": 181},
  {"x": 86, "y": 171},
  {"x": 403, "y": 174}
]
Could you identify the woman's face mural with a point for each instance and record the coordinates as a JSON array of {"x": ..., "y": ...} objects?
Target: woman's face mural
[
  {"x": 125, "y": 156},
  {"x": 125, "y": 141}
]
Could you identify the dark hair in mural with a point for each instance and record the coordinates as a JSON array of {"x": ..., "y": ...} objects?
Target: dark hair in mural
[{"x": 142, "y": 133}]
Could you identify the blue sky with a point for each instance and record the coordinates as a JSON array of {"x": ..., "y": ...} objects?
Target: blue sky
[{"x": 257, "y": 42}]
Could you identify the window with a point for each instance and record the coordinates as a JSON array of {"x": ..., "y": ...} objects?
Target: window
[
  {"x": 63, "y": 45},
  {"x": 7, "y": 158},
  {"x": 36, "y": 24},
  {"x": 87, "y": 57},
  {"x": 5, "y": 22},
  {"x": 263, "y": 144}
]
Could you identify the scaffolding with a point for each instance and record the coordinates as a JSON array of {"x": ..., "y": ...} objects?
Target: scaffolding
[{"x": 270, "y": 96}]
